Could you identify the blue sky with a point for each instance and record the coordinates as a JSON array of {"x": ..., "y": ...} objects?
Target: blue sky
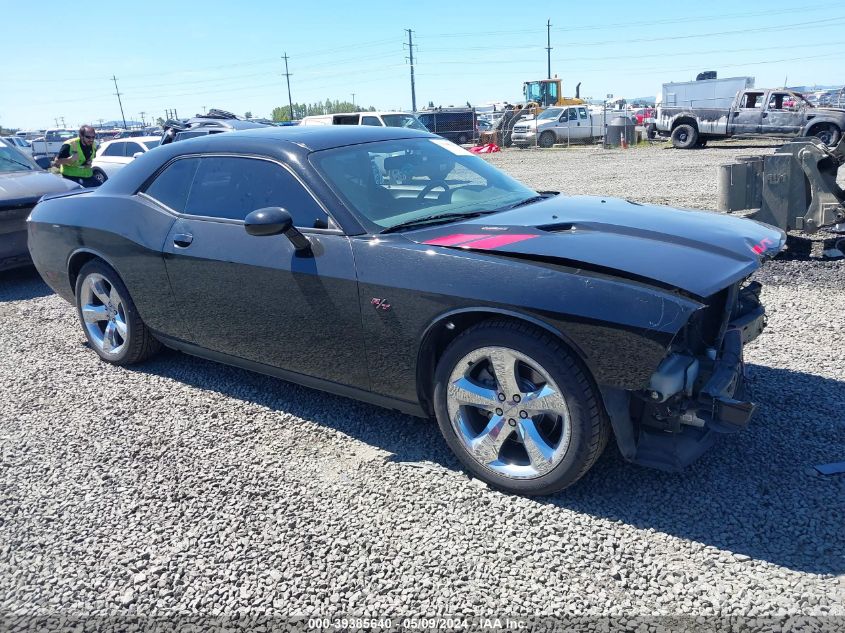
[{"x": 229, "y": 55}]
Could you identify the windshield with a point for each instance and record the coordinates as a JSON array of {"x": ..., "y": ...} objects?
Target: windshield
[
  {"x": 13, "y": 160},
  {"x": 551, "y": 113},
  {"x": 394, "y": 182},
  {"x": 403, "y": 120}
]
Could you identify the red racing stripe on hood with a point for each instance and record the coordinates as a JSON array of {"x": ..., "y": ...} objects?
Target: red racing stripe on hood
[
  {"x": 496, "y": 241},
  {"x": 454, "y": 240}
]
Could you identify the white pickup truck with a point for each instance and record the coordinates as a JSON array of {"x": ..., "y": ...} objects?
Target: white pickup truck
[
  {"x": 51, "y": 142},
  {"x": 560, "y": 124}
]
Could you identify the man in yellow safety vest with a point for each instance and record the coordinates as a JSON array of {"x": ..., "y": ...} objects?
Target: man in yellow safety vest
[{"x": 75, "y": 156}]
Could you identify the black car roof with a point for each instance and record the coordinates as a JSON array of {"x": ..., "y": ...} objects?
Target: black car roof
[
  {"x": 283, "y": 142},
  {"x": 319, "y": 137}
]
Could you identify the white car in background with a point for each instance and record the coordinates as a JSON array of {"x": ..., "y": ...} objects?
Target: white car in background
[
  {"x": 113, "y": 155},
  {"x": 20, "y": 143}
]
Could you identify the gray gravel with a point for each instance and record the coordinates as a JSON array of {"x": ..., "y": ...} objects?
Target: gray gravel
[{"x": 186, "y": 488}]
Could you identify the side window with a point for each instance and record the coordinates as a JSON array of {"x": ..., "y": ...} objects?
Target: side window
[
  {"x": 132, "y": 149},
  {"x": 370, "y": 120},
  {"x": 230, "y": 187},
  {"x": 171, "y": 187},
  {"x": 573, "y": 114},
  {"x": 582, "y": 114},
  {"x": 115, "y": 149}
]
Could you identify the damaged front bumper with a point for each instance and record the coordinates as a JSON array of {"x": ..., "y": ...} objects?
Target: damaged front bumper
[{"x": 690, "y": 400}]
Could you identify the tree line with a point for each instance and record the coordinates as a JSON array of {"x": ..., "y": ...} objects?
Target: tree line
[{"x": 300, "y": 110}]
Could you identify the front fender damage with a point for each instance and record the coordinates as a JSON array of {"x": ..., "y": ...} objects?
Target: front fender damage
[{"x": 696, "y": 393}]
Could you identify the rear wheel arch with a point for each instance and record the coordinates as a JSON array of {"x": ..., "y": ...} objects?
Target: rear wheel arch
[
  {"x": 78, "y": 259},
  {"x": 684, "y": 120},
  {"x": 438, "y": 335}
]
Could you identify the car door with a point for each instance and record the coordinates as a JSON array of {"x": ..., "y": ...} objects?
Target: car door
[
  {"x": 562, "y": 127},
  {"x": 257, "y": 298},
  {"x": 582, "y": 127},
  {"x": 112, "y": 157},
  {"x": 782, "y": 114},
  {"x": 748, "y": 117}
]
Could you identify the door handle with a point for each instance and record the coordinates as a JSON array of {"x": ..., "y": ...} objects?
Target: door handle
[
  {"x": 183, "y": 240},
  {"x": 765, "y": 114}
]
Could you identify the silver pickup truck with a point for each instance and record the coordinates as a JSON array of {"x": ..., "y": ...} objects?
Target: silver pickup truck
[{"x": 754, "y": 112}]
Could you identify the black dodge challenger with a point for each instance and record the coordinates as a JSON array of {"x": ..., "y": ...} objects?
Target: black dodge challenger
[{"x": 394, "y": 267}]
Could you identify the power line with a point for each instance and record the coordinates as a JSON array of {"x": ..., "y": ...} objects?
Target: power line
[{"x": 627, "y": 25}]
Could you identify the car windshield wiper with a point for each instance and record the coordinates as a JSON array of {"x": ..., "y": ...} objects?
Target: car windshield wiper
[
  {"x": 16, "y": 162},
  {"x": 440, "y": 218},
  {"x": 523, "y": 203}
]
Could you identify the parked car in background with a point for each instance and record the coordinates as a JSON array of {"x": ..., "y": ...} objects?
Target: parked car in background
[
  {"x": 529, "y": 324},
  {"x": 644, "y": 116},
  {"x": 558, "y": 124},
  {"x": 113, "y": 155},
  {"x": 52, "y": 141},
  {"x": 376, "y": 119},
  {"x": 22, "y": 183},
  {"x": 21, "y": 143},
  {"x": 213, "y": 122},
  {"x": 692, "y": 113},
  {"x": 459, "y": 125}
]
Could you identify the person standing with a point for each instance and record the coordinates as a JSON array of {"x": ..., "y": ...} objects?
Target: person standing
[{"x": 75, "y": 156}]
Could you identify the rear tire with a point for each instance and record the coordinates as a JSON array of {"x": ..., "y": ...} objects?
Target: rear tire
[
  {"x": 536, "y": 441},
  {"x": 546, "y": 140},
  {"x": 111, "y": 322},
  {"x": 685, "y": 136},
  {"x": 651, "y": 131},
  {"x": 100, "y": 176}
]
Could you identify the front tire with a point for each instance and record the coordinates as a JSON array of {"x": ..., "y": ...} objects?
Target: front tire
[
  {"x": 518, "y": 409},
  {"x": 684, "y": 136},
  {"x": 828, "y": 134},
  {"x": 547, "y": 139},
  {"x": 111, "y": 322},
  {"x": 100, "y": 176}
]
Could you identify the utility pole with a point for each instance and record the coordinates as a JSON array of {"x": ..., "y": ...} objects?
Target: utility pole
[
  {"x": 63, "y": 121},
  {"x": 287, "y": 78},
  {"x": 411, "y": 58},
  {"x": 203, "y": 109},
  {"x": 56, "y": 119},
  {"x": 549, "y": 49},
  {"x": 117, "y": 92},
  {"x": 143, "y": 122},
  {"x": 353, "y": 100},
  {"x": 101, "y": 122}
]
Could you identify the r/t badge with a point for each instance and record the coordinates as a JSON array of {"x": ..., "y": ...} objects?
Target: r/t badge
[{"x": 380, "y": 304}]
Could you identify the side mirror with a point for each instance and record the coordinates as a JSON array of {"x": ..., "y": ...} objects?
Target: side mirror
[
  {"x": 137, "y": 154},
  {"x": 273, "y": 221}
]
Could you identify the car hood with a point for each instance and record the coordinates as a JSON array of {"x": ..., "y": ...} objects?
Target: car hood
[
  {"x": 24, "y": 187},
  {"x": 699, "y": 252}
]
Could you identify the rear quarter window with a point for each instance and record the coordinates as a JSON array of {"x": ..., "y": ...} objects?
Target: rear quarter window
[{"x": 172, "y": 186}]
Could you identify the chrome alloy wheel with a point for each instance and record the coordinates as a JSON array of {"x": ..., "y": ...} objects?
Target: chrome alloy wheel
[
  {"x": 104, "y": 314},
  {"x": 508, "y": 413}
]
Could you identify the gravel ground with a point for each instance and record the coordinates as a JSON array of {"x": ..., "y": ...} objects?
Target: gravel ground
[{"x": 185, "y": 489}]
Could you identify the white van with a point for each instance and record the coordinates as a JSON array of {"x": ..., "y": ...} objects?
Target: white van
[{"x": 378, "y": 119}]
